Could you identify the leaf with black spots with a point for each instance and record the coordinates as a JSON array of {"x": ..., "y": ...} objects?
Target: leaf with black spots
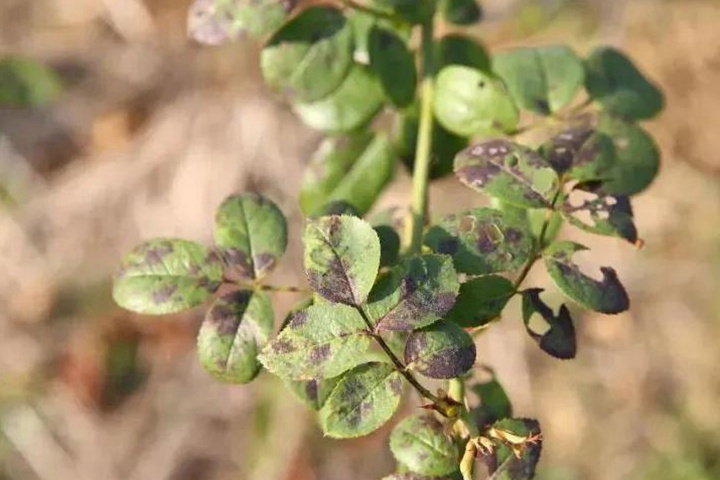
[
  {"x": 606, "y": 296},
  {"x": 457, "y": 49},
  {"x": 363, "y": 400},
  {"x": 342, "y": 257},
  {"x": 394, "y": 64},
  {"x": 494, "y": 401},
  {"x": 167, "y": 276},
  {"x": 518, "y": 445},
  {"x": 558, "y": 339},
  {"x": 581, "y": 153},
  {"x": 214, "y": 22},
  {"x": 442, "y": 350},
  {"x": 236, "y": 327},
  {"x": 480, "y": 301},
  {"x": 508, "y": 171},
  {"x": 481, "y": 241},
  {"x": 26, "y": 83},
  {"x": 420, "y": 443},
  {"x": 461, "y": 12},
  {"x": 251, "y": 233},
  {"x": 322, "y": 341},
  {"x": 415, "y": 293},
  {"x": 595, "y": 212},
  {"x": 313, "y": 393}
]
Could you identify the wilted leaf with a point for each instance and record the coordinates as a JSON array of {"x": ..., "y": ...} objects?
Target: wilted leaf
[
  {"x": 481, "y": 241},
  {"x": 394, "y": 64},
  {"x": 314, "y": 393},
  {"x": 461, "y": 12},
  {"x": 166, "y": 276},
  {"x": 598, "y": 213},
  {"x": 470, "y": 102},
  {"x": 420, "y": 443},
  {"x": 417, "y": 292},
  {"x": 494, "y": 402},
  {"x": 311, "y": 55},
  {"x": 251, "y": 232},
  {"x": 606, "y": 295},
  {"x": 559, "y": 338},
  {"x": 442, "y": 350},
  {"x": 508, "y": 171},
  {"x": 510, "y": 461},
  {"x": 214, "y": 22},
  {"x": 480, "y": 301},
  {"x": 362, "y": 401},
  {"x": 342, "y": 257},
  {"x": 320, "y": 342},
  {"x": 24, "y": 82},
  {"x": 581, "y": 153},
  {"x": 235, "y": 328}
]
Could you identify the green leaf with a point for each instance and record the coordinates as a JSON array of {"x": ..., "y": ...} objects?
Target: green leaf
[
  {"x": 442, "y": 350},
  {"x": 362, "y": 401},
  {"x": 214, "y": 22},
  {"x": 311, "y": 55},
  {"x": 321, "y": 342},
  {"x": 313, "y": 393},
  {"x": 542, "y": 79},
  {"x": 515, "y": 462},
  {"x": 494, "y": 402},
  {"x": 166, "y": 276},
  {"x": 235, "y": 328},
  {"x": 353, "y": 104},
  {"x": 581, "y": 153},
  {"x": 613, "y": 80},
  {"x": 480, "y": 301},
  {"x": 26, "y": 83},
  {"x": 417, "y": 292},
  {"x": 461, "y": 12},
  {"x": 420, "y": 443},
  {"x": 342, "y": 257},
  {"x": 394, "y": 64},
  {"x": 558, "y": 339},
  {"x": 251, "y": 232},
  {"x": 415, "y": 11},
  {"x": 457, "y": 49},
  {"x": 606, "y": 295},
  {"x": 389, "y": 245},
  {"x": 353, "y": 169},
  {"x": 508, "y": 171},
  {"x": 469, "y": 102},
  {"x": 481, "y": 241},
  {"x": 335, "y": 207},
  {"x": 589, "y": 209}
]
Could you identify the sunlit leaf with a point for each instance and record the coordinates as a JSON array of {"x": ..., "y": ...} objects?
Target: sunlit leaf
[
  {"x": 214, "y": 22},
  {"x": 394, "y": 64},
  {"x": 442, "y": 350},
  {"x": 558, "y": 339},
  {"x": 24, "y": 82},
  {"x": 480, "y": 301},
  {"x": 420, "y": 443}
]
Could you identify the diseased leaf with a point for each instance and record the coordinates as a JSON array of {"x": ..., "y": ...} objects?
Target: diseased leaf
[
  {"x": 581, "y": 153},
  {"x": 420, "y": 443},
  {"x": 470, "y": 102},
  {"x": 415, "y": 293},
  {"x": 342, "y": 257},
  {"x": 320, "y": 342},
  {"x": 481, "y": 241},
  {"x": 598, "y": 213},
  {"x": 26, "y": 83},
  {"x": 606, "y": 295},
  {"x": 311, "y": 55},
  {"x": 457, "y": 49},
  {"x": 613, "y": 80},
  {"x": 494, "y": 402},
  {"x": 313, "y": 393},
  {"x": 394, "y": 64},
  {"x": 297, "y": 307},
  {"x": 350, "y": 106},
  {"x": 510, "y": 460},
  {"x": 235, "y": 328},
  {"x": 508, "y": 171},
  {"x": 336, "y": 207},
  {"x": 461, "y": 12},
  {"x": 362, "y": 401},
  {"x": 214, "y": 22},
  {"x": 251, "y": 232},
  {"x": 442, "y": 350},
  {"x": 166, "y": 276},
  {"x": 480, "y": 301},
  {"x": 559, "y": 338}
]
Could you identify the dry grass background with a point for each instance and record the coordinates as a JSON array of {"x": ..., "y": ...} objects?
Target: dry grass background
[{"x": 153, "y": 132}]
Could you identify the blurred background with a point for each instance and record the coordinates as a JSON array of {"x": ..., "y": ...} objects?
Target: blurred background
[{"x": 150, "y": 132}]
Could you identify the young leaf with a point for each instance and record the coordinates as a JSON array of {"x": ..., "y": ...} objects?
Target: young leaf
[
  {"x": 420, "y": 443},
  {"x": 214, "y": 22},
  {"x": 469, "y": 102},
  {"x": 311, "y": 55},
  {"x": 480, "y": 301},
  {"x": 235, "y": 328},
  {"x": 511, "y": 460},
  {"x": 350, "y": 106},
  {"x": 481, "y": 241},
  {"x": 613, "y": 80},
  {"x": 608, "y": 214},
  {"x": 25, "y": 83},
  {"x": 442, "y": 350},
  {"x": 320, "y": 342},
  {"x": 606, "y": 295},
  {"x": 508, "y": 171},
  {"x": 581, "y": 153},
  {"x": 342, "y": 257},
  {"x": 362, "y": 401},
  {"x": 494, "y": 402},
  {"x": 313, "y": 393},
  {"x": 166, "y": 276},
  {"x": 417, "y": 292},
  {"x": 457, "y": 49},
  {"x": 461, "y": 12},
  {"x": 251, "y": 232},
  {"x": 352, "y": 169},
  {"x": 394, "y": 65},
  {"x": 559, "y": 339},
  {"x": 542, "y": 79}
]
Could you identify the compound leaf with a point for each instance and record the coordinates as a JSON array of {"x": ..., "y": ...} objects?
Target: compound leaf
[
  {"x": 461, "y": 12},
  {"x": 511, "y": 460},
  {"x": 559, "y": 339},
  {"x": 251, "y": 232},
  {"x": 322, "y": 341},
  {"x": 480, "y": 301},
  {"x": 214, "y": 22},
  {"x": 394, "y": 64},
  {"x": 167, "y": 276},
  {"x": 420, "y": 443},
  {"x": 457, "y": 49},
  {"x": 442, "y": 350},
  {"x": 26, "y": 83},
  {"x": 342, "y": 257},
  {"x": 363, "y": 400},
  {"x": 601, "y": 214},
  {"x": 236, "y": 327},
  {"x": 607, "y": 295}
]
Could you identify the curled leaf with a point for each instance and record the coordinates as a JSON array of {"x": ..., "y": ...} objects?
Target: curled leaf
[
  {"x": 518, "y": 445},
  {"x": 420, "y": 443},
  {"x": 442, "y": 350},
  {"x": 598, "y": 213},
  {"x": 559, "y": 338}
]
